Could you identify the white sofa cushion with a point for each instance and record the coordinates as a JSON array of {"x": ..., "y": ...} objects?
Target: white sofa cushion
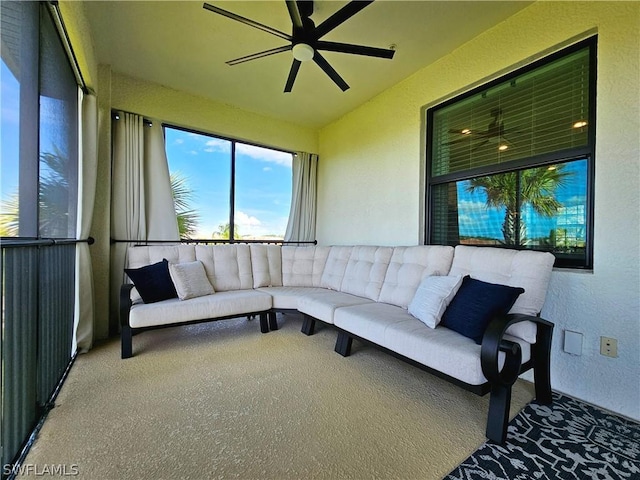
[
  {"x": 146, "y": 255},
  {"x": 516, "y": 268},
  {"x": 323, "y": 304},
  {"x": 228, "y": 267},
  {"x": 303, "y": 266},
  {"x": 190, "y": 280},
  {"x": 408, "y": 266},
  {"x": 365, "y": 272},
  {"x": 221, "y": 304},
  {"x": 266, "y": 265},
  {"x": 286, "y": 298},
  {"x": 432, "y": 297},
  {"x": 335, "y": 267},
  {"x": 439, "y": 348}
]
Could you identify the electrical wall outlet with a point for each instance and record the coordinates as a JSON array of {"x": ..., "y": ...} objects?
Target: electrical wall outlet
[{"x": 608, "y": 347}]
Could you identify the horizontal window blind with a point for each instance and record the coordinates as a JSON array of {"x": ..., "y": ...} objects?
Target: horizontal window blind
[{"x": 541, "y": 111}]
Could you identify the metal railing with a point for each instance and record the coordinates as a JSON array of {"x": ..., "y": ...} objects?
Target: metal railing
[
  {"x": 207, "y": 241},
  {"x": 38, "y": 301}
]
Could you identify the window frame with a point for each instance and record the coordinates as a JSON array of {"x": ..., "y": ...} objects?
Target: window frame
[
  {"x": 232, "y": 155},
  {"x": 565, "y": 155}
]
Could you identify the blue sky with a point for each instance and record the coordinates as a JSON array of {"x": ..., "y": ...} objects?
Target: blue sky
[
  {"x": 263, "y": 182},
  {"x": 9, "y": 137}
]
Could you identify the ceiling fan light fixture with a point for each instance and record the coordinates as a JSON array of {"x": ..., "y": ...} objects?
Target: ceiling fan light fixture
[
  {"x": 465, "y": 131},
  {"x": 503, "y": 147},
  {"x": 580, "y": 124},
  {"x": 303, "y": 52}
]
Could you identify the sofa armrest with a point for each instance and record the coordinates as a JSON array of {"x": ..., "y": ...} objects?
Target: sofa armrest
[
  {"x": 501, "y": 381},
  {"x": 493, "y": 343}
]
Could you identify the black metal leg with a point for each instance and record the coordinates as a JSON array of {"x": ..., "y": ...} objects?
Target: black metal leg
[
  {"x": 126, "y": 342},
  {"x": 343, "y": 344},
  {"x": 264, "y": 327},
  {"x": 498, "y": 419},
  {"x": 542, "y": 364},
  {"x": 308, "y": 325},
  {"x": 273, "y": 322}
]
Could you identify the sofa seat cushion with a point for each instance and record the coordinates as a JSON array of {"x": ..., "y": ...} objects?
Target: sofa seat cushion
[
  {"x": 220, "y": 304},
  {"x": 286, "y": 298},
  {"x": 442, "y": 349},
  {"x": 322, "y": 305}
]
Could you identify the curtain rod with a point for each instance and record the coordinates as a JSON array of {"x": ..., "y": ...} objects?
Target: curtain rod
[
  {"x": 115, "y": 115},
  {"x": 54, "y": 8}
]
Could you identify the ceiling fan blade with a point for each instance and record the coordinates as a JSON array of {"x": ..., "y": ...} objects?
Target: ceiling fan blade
[
  {"x": 328, "y": 69},
  {"x": 355, "y": 49},
  {"x": 294, "y": 13},
  {"x": 255, "y": 56},
  {"x": 295, "y": 66},
  {"x": 342, "y": 15},
  {"x": 246, "y": 21}
]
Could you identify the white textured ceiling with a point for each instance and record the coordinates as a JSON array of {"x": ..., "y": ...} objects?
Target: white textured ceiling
[{"x": 185, "y": 47}]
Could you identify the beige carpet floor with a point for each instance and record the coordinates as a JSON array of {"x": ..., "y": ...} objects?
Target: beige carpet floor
[{"x": 221, "y": 400}]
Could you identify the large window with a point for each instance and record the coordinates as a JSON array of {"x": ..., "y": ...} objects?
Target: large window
[
  {"x": 226, "y": 189},
  {"x": 511, "y": 163},
  {"x": 39, "y": 130}
]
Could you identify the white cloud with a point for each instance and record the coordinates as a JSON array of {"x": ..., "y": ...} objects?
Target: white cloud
[
  {"x": 242, "y": 219},
  {"x": 265, "y": 154},
  {"x": 179, "y": 141},
  {"x": 267, "y": 169},
  {"x": 217, "y": 145}
]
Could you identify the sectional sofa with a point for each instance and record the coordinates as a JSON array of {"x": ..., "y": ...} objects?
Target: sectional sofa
[{"x": 467, "y": 314}]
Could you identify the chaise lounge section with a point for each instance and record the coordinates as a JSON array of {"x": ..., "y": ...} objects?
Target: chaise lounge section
[{"x": 389, "y": 297}]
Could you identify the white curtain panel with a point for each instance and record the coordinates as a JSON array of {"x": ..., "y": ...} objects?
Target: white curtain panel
[
  {"x": 162, "y": 223},
  {"x": 302, "y": 217},
  {"x": 84, "y": 316},
  {"x": 141, "y": 198}
]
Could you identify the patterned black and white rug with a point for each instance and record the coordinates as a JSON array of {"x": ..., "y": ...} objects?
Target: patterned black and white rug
[{"x": 566, "y": 440}]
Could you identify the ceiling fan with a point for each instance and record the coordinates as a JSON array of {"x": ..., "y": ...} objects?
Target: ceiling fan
[
  {"x": 305, "y": 39},
  {"x": 495, "y": 133}
]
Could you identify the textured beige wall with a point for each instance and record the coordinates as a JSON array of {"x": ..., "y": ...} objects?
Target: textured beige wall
[
  {"x": 182, "y": 109},
  {"x": 371, "y": 180}
]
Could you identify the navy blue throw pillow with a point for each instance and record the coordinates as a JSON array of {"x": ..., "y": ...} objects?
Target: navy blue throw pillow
[
  {"x": 476, "y": 303},
  {"x": 153, "y": 282}
]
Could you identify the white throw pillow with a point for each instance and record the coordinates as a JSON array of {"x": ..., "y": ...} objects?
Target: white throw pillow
[
  {"x": 190, "y": 280},
  {"x": 432, "y": 298}
]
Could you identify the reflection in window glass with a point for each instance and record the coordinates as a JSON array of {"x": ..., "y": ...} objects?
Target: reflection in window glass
[{"x": 542, "y": 208}]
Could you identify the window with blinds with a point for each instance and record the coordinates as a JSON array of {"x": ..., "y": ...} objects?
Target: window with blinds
[{"x": 510, "y": 163}]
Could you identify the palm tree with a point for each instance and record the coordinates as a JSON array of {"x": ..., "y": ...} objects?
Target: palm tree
[
  {"x": 9, "y": 224},
  {"x": 183, "y": 195},
  {"x": 223, "y": 232},
  {"x": 536, "y": 187}
]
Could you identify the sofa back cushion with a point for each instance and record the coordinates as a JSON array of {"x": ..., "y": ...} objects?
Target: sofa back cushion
[
  {"x": 365, "y": 271},
  {"x": 336, "y": 265},
  {"x": 266, "y": 265},
  {"x": 228, "y": 267},
  {"x": 517, "y": 268},
  {"x": 408, "y": 266},
  {"x": 146, "y": 255},
  {"x": 303, "y": 266}
]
